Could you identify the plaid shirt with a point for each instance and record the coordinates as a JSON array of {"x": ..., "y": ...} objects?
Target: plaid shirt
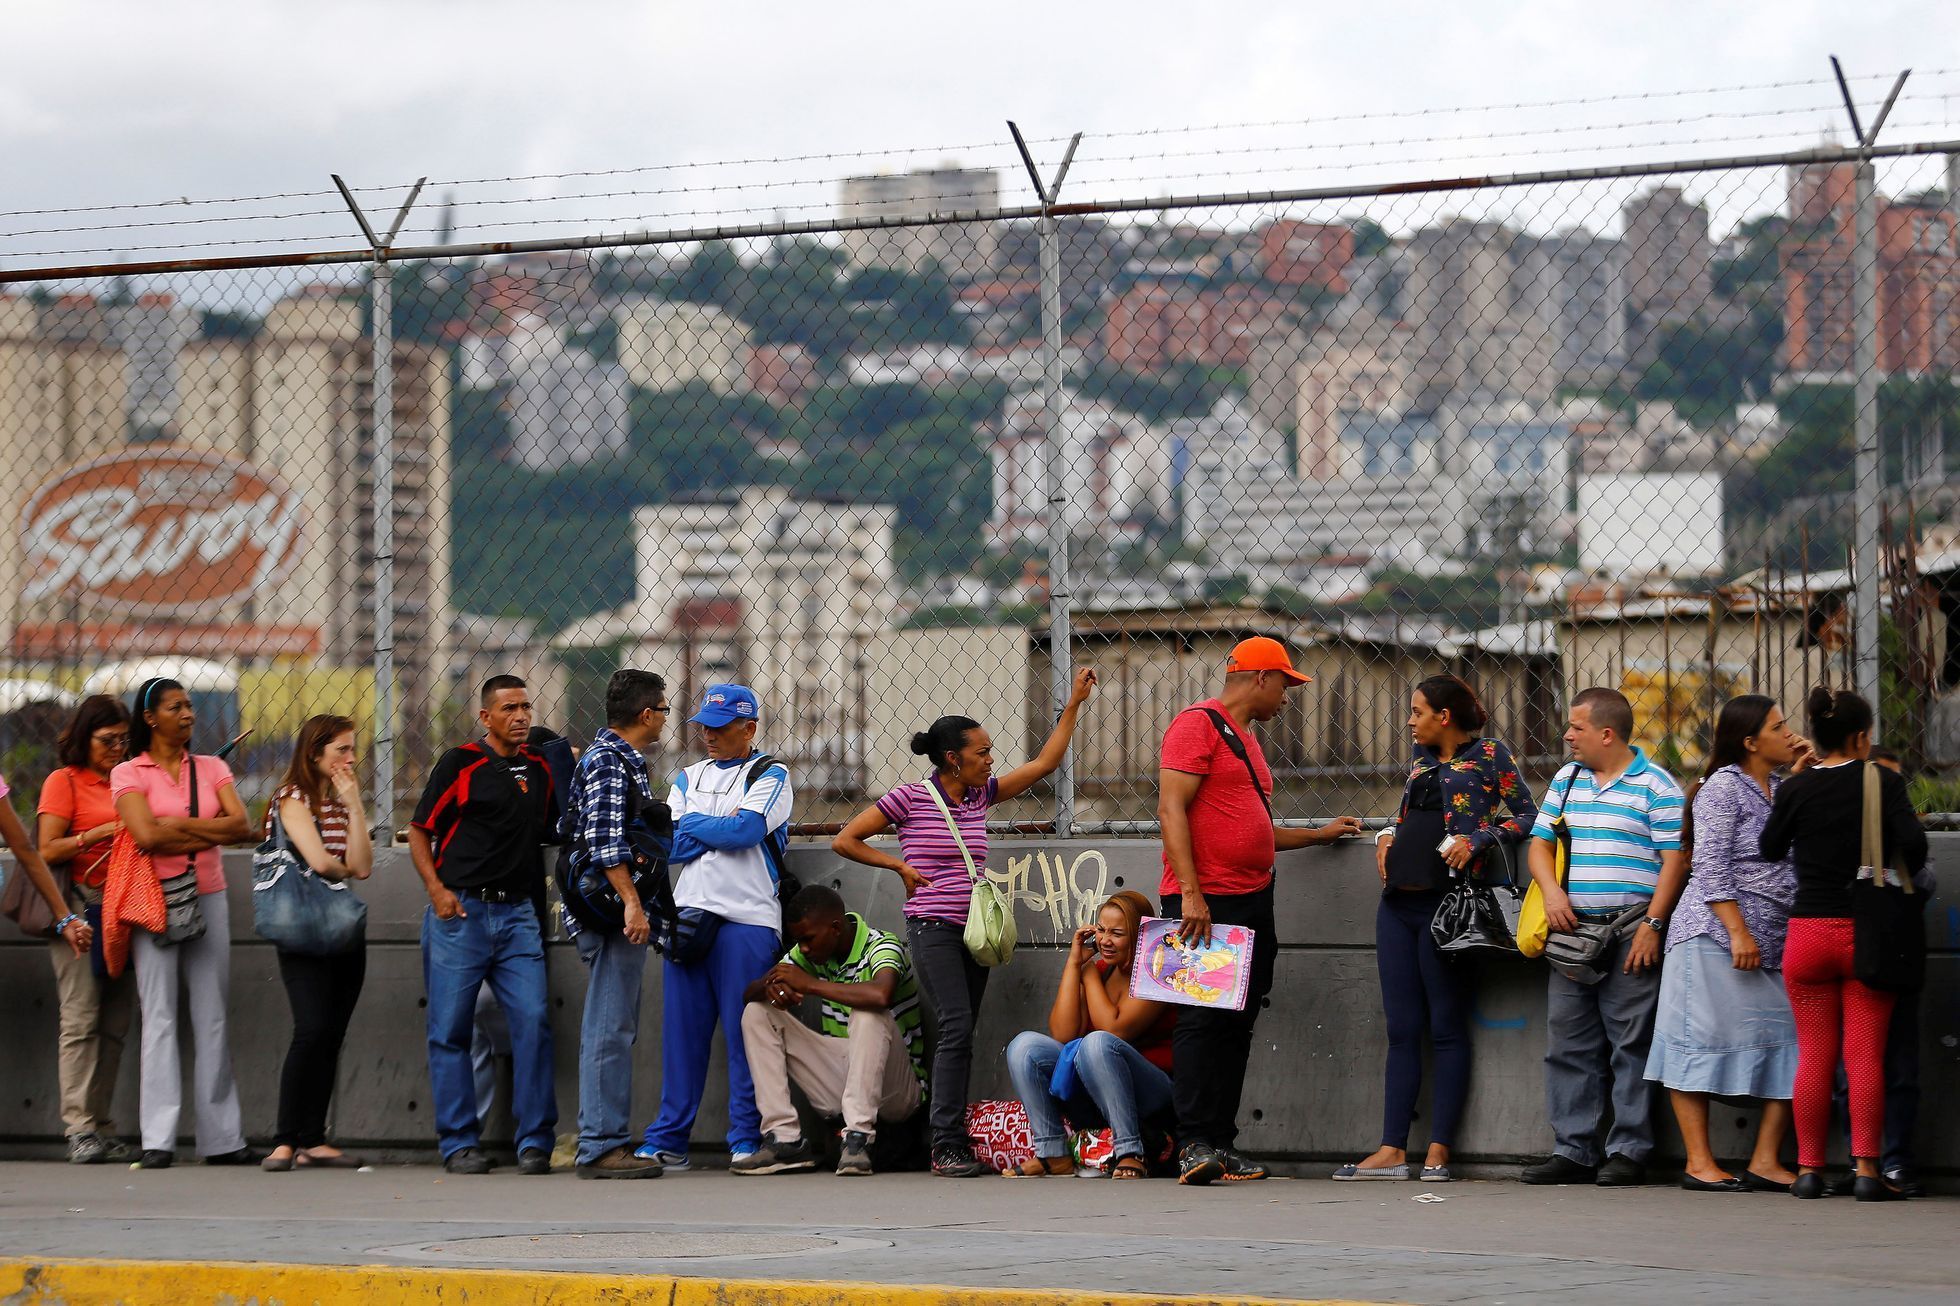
[{"x": 597, "y": 816}]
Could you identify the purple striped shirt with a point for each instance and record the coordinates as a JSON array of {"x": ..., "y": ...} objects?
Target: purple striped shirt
[{"x": 926, "y": 843}]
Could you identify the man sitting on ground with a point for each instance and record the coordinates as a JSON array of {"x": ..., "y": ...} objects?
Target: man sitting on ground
[{"x": 870, "y": 1002}]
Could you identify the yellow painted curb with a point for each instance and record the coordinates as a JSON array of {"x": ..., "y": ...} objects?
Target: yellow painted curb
[{"x": 231, "y": 1283}]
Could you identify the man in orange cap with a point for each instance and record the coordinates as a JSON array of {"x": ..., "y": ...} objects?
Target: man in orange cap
[{"x": 1220, "y": 841}]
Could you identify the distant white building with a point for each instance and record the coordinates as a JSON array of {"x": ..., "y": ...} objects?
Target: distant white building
[
  {"x": 785, "y": 595},
  {"x": 152, "y": 334},
  {"x": 1117, "y": 471},
  {"x": 665, "y": 346},
  {"x": 1638, "y": 526},
  {"x": 1479, "y": 478},
  {"x": 567, "y": 410},
  {"x": 963, "y": 251}
]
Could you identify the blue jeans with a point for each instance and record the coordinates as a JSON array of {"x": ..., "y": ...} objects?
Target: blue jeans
[
  {"x": 693, "y": 999},
  {"x": 614, "y": 969},
  {"x": 1121, "y": 1089},
  {"x": 498, "y": 942}
]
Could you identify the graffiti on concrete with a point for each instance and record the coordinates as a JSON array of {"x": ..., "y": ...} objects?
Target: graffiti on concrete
[{"x": 1048, "y": 883}]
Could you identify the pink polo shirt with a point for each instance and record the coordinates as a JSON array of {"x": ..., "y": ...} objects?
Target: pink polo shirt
[{"x": 168, "y": 797}]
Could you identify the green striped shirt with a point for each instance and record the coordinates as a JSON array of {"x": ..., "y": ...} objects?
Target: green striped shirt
[{"x": 871, "y": 951}]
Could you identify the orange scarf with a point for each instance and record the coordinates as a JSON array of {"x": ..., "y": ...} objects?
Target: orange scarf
[{"x": 132, "y": 896}]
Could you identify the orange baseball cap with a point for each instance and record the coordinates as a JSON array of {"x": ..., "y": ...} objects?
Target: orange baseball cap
[{"x": 1263, "y": 654}]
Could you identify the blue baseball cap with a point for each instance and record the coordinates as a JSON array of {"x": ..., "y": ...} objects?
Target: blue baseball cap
[{"x": 723, "y": 704}]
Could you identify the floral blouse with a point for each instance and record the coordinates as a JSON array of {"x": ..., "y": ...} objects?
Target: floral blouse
[
  {"x": 1727, "y": 865},
  {"x": 1477, "y": 782}
]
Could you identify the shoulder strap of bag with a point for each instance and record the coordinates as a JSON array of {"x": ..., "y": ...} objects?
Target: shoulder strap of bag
[
  {"x": 770, "y": 852},
  {"x": 939, "y": 801},
  {"x": 190, "y": 762},
  {"x": 1872, "y": 833},
  {"x": 1237, "y": 745}
]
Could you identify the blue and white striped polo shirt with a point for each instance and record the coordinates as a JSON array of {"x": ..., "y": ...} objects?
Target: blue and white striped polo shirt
[{"x": 1618, "y": 834}]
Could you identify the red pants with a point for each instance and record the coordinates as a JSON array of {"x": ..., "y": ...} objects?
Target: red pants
[{"x": 1836, "y": 1016}]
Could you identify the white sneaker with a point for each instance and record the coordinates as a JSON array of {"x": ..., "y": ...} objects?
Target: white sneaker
[{"x": 671, "y": 1162}]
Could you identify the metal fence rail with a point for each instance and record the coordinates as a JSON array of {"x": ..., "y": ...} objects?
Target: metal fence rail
[{"x": 1676, "y": 427}]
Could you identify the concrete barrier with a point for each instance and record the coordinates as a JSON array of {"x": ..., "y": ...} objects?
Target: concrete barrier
[{"x": 1313, "y": 1095}]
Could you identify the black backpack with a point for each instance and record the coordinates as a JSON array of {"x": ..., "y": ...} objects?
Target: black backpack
[{"x": 590, "y": 896}]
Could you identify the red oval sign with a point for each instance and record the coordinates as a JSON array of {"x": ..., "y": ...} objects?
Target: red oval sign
[{"x": 159, "y": 532}]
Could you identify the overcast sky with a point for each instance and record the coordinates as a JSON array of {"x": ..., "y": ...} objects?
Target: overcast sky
[{"x": 108, "y": 101}]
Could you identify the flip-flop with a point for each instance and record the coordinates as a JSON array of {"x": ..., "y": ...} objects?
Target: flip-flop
[
  {"x": 307, "y": 1161},
  {"x": 1351, "y": 1173}
]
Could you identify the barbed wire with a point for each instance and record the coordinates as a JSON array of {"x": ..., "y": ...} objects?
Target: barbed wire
[
  {"x": 834, "y": 179},
  {"x": 893, "y": 151}
]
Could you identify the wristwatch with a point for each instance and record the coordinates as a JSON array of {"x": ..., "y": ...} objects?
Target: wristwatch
[{"x": 1656, "y": 924}]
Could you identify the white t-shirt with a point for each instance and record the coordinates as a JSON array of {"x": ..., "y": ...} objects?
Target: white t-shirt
[{"x": 734, "y": 885}]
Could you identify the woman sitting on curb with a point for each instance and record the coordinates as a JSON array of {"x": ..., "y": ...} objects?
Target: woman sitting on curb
[{"x": 1122, "y": 1050}]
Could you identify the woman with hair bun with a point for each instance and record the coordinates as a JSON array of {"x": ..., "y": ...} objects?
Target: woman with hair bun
[
  {"x": 937, "y": 889},
  {"x": 1818, "y": 819},
  {"x": 1463, "y": 795}
]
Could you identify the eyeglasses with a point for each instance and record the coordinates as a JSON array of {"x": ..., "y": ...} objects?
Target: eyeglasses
[
  {"x": 112, "y": 741},
  {"x": 662, "y": 707}
]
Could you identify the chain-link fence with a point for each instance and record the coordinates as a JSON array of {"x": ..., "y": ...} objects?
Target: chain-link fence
[{"x": 1614, "y": 425}]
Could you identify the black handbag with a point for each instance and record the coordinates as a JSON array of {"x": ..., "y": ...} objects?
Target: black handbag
[
  {"x": 590, "y": 896},
  {"x": 1888, "y": 949},
  {"x": 182, "y": 912},
  {"x": 1479, "y": 913}
]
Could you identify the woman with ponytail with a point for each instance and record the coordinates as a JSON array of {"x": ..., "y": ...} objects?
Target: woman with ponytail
[
  {"x": 182, "y": 809},
  {"x": 937, "y": 888},
  {"x": 1818, "y": 819}
]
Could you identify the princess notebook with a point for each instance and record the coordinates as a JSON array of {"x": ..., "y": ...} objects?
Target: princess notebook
[{"x": 1212, "y": 975}]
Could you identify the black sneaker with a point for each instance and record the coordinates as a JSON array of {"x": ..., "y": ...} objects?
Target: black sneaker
[
  {"x": 1621, "y": 1172},
  {"x": 856, "y": 1159},
  {"x": 1902, "y": 1179},
  {"x": 956, "y": 1161},
  {"x": 152, "y": 1159},
  {"x": 467, "y": 1160},
  {"x": 775, "y": 1157},
  {"x": 1240, "y": 1168},
  {"x": 534, "y": 1160},
  {"x": 243, "y": 1156},
  {"x": 1200, "y": 1164},
  {"x": 1559, "y": 1170}
]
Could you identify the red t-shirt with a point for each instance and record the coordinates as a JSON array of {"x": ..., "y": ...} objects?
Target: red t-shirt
[{"x": 1231, "y": 833}]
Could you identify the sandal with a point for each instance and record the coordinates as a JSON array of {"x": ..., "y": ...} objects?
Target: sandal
[
  {"x": 1129, "y": 1167},
  {"x": 341, "y": 1161},
  {"x": 1041, "y": 1167}
]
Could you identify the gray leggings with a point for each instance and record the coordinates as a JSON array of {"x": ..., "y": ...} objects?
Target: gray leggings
[{"x": 203, "y": 966}]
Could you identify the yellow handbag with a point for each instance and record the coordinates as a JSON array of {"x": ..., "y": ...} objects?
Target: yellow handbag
[{"x": 1533, "y": 927}]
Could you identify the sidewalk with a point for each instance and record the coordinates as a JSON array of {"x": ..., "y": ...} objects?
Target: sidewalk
[{"x": 809, "y": 1238}]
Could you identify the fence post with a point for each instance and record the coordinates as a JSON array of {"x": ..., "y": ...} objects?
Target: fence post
[
  {"x": 1061, "y": 631},
  {"x": 1868, "y": 471},
  {"x": 381, "y": 482}
]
